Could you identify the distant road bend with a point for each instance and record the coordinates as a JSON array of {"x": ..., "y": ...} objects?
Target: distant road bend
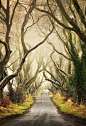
[{"x": 43, "y": 113}]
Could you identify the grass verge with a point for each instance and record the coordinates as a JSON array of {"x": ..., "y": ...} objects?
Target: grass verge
[
  {"x": 15, "y": 109},
  {"x": 70, "y": 107}
]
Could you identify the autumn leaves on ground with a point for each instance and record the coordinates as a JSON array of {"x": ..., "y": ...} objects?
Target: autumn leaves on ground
[
  {"x": 66, "y": 104},
  {"x": 7, "y": 108}
]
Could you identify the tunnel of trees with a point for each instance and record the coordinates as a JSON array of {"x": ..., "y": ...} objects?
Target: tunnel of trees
[{"x": 27, "y": 26}]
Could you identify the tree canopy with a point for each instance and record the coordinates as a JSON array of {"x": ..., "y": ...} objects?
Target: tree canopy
[{"x": 66, "y": 21}]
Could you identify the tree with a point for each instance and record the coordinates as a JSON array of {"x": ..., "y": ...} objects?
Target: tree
[
  {"x": 6, "y": 17},
  {"x": 74, "y": 23}
]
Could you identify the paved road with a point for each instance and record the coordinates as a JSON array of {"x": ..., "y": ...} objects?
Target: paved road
[{"x": 43, "y": 113}]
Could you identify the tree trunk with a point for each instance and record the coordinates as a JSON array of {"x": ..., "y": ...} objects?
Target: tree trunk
[
  {"x": 80, "y": 79},
  {"x": 1, "y": 93}
]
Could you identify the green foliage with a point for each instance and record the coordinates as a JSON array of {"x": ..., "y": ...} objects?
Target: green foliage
[
  {"x": 79, "y": 79},
  {"x": 75, "y": 56},
  {"x": 69, "y": 86},
  {"x": 79, "y": 75},
  {"x": 15, "y": 108},
  {"x": 70, "y": 107},
  {"x": 81, "y": 44}
]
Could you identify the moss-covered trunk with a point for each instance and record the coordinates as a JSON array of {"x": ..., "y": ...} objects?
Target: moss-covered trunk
[
  {"x": 80, "y": 78},
  {"x": 79, "y": 75}
]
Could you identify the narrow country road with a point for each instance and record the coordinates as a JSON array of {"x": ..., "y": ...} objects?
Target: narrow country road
[{"x": 43, "y": 113}]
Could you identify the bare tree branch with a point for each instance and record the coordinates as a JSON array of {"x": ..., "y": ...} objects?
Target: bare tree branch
[
  {"x": 2, "y": 18},
  {"x": 76, "y": 29},
  {"x": 79, "y": 11},
  {"x": 58, "y": 51},
  {"x": 24, "y": 24},
  {"x": 34, "y": 22},
  {"x": 3, "y": 8},
  {"x": 66, "y": 45},
  {"x": 2, "y": 15},
  {"x": 2, "y": 33},
  {"x": 51, "y": 80},
  {"x": 52, "y": 76},
  {"x": 12, "y": 63},
  {"x": 13, "y": 13},
  {"x": 56, "y": 65},
  {"x": 23, "y": 6},
  {"x": 8, "y": 78},
  {"x": 51, "y": 15}
]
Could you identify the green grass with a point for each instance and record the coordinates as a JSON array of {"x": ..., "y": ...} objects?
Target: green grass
[
  {"x": 70, "y": 107},
  {"x": 15, "y": 109}
]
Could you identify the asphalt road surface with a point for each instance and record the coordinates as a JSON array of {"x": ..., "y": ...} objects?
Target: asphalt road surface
[{"x": 43, "y": 113}]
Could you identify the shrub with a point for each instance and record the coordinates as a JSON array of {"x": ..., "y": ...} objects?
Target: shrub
[
  {"x": 72, "y": 99},
  {"x": 5, "y": 102},
  {"x": 66, "y": 97}
]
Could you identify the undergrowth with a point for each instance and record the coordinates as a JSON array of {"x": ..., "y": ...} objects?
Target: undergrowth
[
  {"x": 70, "y": 107},
  {"x": 14, "y": 109}
]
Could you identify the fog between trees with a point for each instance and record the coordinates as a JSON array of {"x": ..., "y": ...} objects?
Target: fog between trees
[{"x": 47, "y": 39}]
